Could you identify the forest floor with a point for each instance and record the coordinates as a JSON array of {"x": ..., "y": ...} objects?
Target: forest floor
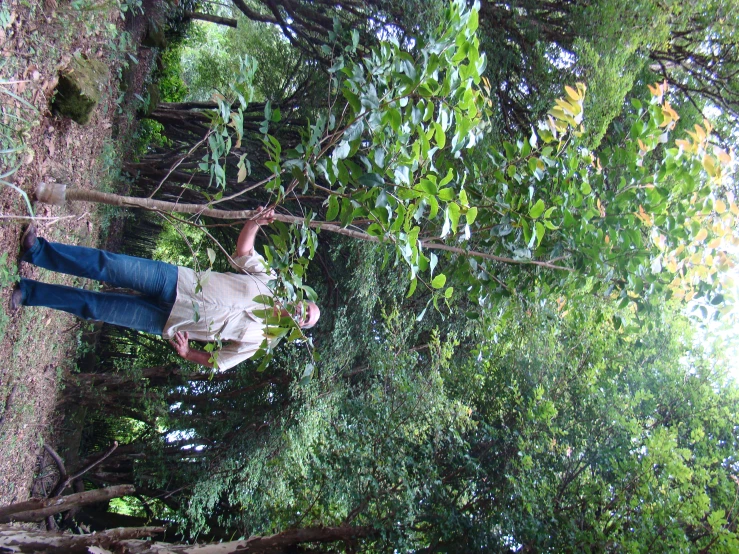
[{"x": 38, "y": 346}]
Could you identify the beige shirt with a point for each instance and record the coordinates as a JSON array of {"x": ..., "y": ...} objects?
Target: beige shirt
[{"x": 225, "y": 306}]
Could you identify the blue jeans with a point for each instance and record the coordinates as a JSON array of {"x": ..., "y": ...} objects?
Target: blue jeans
[{"x": 157, "y": 281}]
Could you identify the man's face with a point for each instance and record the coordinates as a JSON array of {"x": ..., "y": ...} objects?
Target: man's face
[{"x": 308, "y": 314}]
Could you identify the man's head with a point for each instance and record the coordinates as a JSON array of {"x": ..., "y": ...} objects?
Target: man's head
[{"x": 308, "y": 314}]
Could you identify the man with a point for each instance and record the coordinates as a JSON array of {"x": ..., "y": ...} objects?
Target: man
[{"x": 174, "y": 301}]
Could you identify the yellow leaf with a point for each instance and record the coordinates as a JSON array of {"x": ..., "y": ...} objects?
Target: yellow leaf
[
  {"x": 701, "y": 134},
  {"x": 655, "y": 89},
  {"x": 558, "y": 113},
  {"x": 242, "y": 174},
  {"x": 723, "y": 157},
  {"x": 719, "y": 206},
  {"x": 715, "y": 243},
  {"x": 608, "y": 239},
  {"x": 701, "y": 236},
  {"x": 669, "y": 113},
  {"x": 671, "y": 266},
  {"x": 696, "y": 258},
  {"x": 572, "y": 109},
  {"x": 572, "y": 93},
  {"x": 644, "y": 216},
  {"x": 684, "y": 144},
  {"x": 734, "y": 209},
  {"x": 709, "y": 165}
]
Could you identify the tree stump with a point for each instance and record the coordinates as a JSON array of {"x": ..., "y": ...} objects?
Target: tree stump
[{"x": 78, "y": 91}]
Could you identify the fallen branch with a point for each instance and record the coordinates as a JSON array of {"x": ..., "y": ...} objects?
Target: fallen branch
[
  {"x": 17, "y": 539},
  {"x": 37, "y": 509}
]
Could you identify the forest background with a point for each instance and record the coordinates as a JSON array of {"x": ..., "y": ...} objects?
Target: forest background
[{"x": 522, "y": 230}]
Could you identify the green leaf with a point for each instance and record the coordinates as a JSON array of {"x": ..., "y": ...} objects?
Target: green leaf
[
  {"x": 439, "y": 135},
  {"x": 375, "y": 230},
  {"x": 446, "y": 195},
  {"x": 539, "y": 233},
  {"x": 447, "y": 178},
  {"x": 211, "y": 255},
  {"x": 585, "y": 188},
  {"x": 341, "y": 151},
  {"x": 412, "y": 288},
  {"x": 448, "y": 292},
  {"x": 371, "y": 180},
  {"x": 426, "y": 186},
  {"x": 333, "y": 208},
  {"x": 439, "y": 281},
  {"x": 452, "y": 211},
  {"x": 537, "y": 209},
  {"x": 471, "y": 215}
]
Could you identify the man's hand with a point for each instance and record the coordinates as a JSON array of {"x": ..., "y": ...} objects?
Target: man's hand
[
  {"x": 265, "y": 216},
  {"x": 181, "y": 344},
  {"x": 245, "y": 244}
]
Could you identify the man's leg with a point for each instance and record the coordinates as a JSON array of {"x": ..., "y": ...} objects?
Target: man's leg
[
  {"x": 135, "y": 312},
  {"x": 154, "y": 279}
]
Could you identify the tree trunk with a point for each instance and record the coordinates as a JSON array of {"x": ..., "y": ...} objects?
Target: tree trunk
[
  {"x": 37, "y": 509},
  {"x": 227, "y": 21},
  {"x": 203, "y": 209}
]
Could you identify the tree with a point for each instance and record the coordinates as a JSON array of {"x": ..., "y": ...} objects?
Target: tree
[{"x": 399, "y": 158}]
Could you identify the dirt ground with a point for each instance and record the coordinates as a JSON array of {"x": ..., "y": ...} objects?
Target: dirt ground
[{"x": 39, "y": 346}]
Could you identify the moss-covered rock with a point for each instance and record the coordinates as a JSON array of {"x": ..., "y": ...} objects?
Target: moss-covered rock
[
  {"x": 78, "y": 91},
  {"x": 155, "y": 36}
]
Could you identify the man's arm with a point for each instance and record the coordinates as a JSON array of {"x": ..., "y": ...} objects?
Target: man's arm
[
  {"x": 181, "y": 344},
  {"x": 245, "y": 244}
]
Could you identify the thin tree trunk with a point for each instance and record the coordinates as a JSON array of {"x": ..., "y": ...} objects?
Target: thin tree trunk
[
  {"x": 159, "y": 205},
  {"x": 227, "y": 21},
  {"x": 37, "y": 509}
]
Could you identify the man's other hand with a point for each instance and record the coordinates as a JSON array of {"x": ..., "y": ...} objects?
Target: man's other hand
[{"x": 181, "y": 344}]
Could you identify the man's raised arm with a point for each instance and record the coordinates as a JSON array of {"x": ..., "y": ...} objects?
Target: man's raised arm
[{"x": 245, "y": 244}]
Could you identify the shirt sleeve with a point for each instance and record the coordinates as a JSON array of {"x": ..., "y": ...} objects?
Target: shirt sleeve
[
  {"x": 253, "y": 264},
  {"x": 232, "y": 353}
]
